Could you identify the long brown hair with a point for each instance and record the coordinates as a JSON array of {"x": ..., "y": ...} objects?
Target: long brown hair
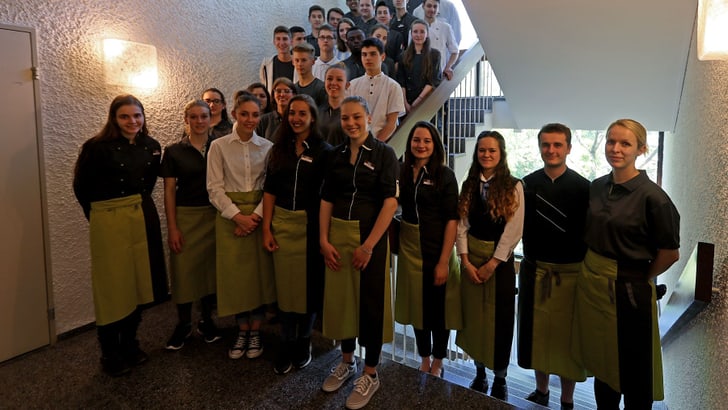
[
  {"x": 436, "y": 161},
  {"x": 428, "y": 54},
  {"x": 111, "y": 130},
  {"x": 284, "y": 148},
  {"x": 502, "y": 200}
]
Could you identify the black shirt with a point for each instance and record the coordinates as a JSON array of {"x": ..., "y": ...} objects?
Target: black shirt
[
  {"x": 268, "y": 125},
  {"x": 630, "y": 221},
  {"x": 310, "y": 39},
  {"x": 413, "y": 80},
  {"x": 115, "y": 169},
  {"x": 189, "y": 166},
  {"x": 403, "y": 25},
  {"x": 221, "y": 129},
  {"x": 281, "y": 69},
  {"x": 555, "y": 215},
  {"x": 296, "y": 183},
  {"x": 358, "y": 191},
  {"x": 315, "y": 90},
  {"x": 330, "y": 124}
]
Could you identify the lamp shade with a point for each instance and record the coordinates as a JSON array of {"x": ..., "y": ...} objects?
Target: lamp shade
[{"x": 713, "y": 29}]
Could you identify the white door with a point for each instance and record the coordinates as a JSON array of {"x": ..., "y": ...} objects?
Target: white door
[{"x": 24, "y": 319}]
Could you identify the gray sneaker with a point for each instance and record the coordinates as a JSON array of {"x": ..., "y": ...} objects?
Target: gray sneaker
[
  {"x": 240, "y": 346},
  {"x": 364, "y": 388},
  {"x": 339, "y": 375}
]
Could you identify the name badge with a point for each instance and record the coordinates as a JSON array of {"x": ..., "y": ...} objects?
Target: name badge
[
  {"x": 369, "y": 165},
  {"x": 306, "y": 158},
  {"x": 428, "y": 182}
]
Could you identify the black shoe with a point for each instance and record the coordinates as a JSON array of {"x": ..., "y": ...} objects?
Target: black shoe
[
  {"x": 539, "y": 398},
  {"x": 660, "y": 291},
  {"x": 303, "y": 352},
  {"x": 209, "y": 332},
  {"x": 567, "y": 406},
  {"x": 135, "y": 356},
  {"x": 114, "y": 365},
  {"x": 499, "y": 389},
  {"x": 479, "y": 384},
  {"x": 282, "y": 363},
  {"x": 181, "y": 333}
]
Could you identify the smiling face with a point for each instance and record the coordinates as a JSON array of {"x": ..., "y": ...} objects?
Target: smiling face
[
  {"x": 431, "y": 7},
  {"x": 422, "y": 145},
  {"x": 355, "y": 120},
  {"x": 214, "y": 100},
  {"x": 622, "y": 148},
  {"x": 353, "y": 5},
  {"x": 300, "y": 119},
  {"x": 381, "y": 34},
  {"x": 366, "y": 10},
  {"x": 383, "y": 16},
  {"x": 302, "y": 62},
  {"x": 489, "y": 155},
  {"x": 316, "y": 19},
  {"x": 198, "y": 119},
  {"x": 247, "y": 115},
  {"x": 419, "y": 34},
  {"x": 335, "y": 82},
  {"x": 260, "y": 94},
  {"x": 130, "y": 119},
  {"x": 554, "y": 149},
  {"x": 282, "y": 94}
]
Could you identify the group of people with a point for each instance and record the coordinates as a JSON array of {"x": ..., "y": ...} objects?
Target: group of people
[{"x": 287, "y": 200}]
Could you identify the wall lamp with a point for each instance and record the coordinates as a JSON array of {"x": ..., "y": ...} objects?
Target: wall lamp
[
  {"x": 130, "y": 64},
  {"x": 712, "y": 29}
]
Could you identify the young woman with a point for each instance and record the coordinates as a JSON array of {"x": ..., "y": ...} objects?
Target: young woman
[
  {"x": 633, "y": 235},
  {"x": 113, "y": 182},
  {"x": 290, "y": 228},
  {"x": 336, "y": 85},
  {"x": 190, "y": 226},
  {"x": 359, "y": 198},
  {"x": 219, "y": 120},
  {"x": 418, "y": 70},
  {"x": 259, "y": 90},
  {"x": 428, "y": 277},
  {"x": 342, "y": 52},
  {"x": 381, "y": 32},
  {"x": 491, "y": 224},
  {"x": 283, "y": 90},
  {"x": 235, "y": 174}
]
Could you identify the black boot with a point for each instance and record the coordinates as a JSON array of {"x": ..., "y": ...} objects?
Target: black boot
[
  {"x": 480, "y": 382},
  {"x": 112, "y": 361},
  {"x": 130, "y": 350},
  {"x": 499, "y": 389},
  {"x": 303, "y": 352}
]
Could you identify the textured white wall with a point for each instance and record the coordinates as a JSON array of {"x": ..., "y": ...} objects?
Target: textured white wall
[
  {"x": 200, "y": 44},
  {"x": 696, "y": 159}
]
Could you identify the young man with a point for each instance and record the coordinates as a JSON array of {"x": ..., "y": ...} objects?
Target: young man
[
  {"x": 395, "y": 42},
  {"x": 402, "y": 20},
  {"x": 447, "y": 12},
  {"x": 281, "y": 64},
  {"x": 366, "y": 16},
  {"x": 442, "y": 38},
  {"x": 298, "y": 35},
  {"x": 353, "y": 12},
  {"x": 383, "y": 94},
  {"x": 303, "y": 59},
  {"x": 316, "y": 15},
  {"x": 334, "y": 16},
  {"x": 556, "y": 201},
  {"x": 327, "y": 42},
  {"x": 354, "y": 38}
]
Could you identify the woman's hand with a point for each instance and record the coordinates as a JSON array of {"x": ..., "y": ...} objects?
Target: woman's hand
[
  {"x": 245, "y": 224},
  {"x": 331, "y": 256},
  {"x": 486, "y": 271},
  {"x": 471, "y": 271},
  {"x": 175, "y": 240},
  {"x": 362, "y": 256},
  {"x": 441, "y": 272},
  {"x": 269, "y": 241}
]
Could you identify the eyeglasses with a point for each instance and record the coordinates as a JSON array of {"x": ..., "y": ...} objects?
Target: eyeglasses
[
  {"x": 326, "y": 38},
  {"x": 283, "y": 91},
  {"x": 215, "y": 101}
]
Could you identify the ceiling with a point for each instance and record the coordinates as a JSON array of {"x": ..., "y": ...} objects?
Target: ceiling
[{"x": 585, "y": 62}]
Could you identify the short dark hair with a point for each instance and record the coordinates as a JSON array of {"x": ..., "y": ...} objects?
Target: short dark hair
[
  {"x": 297, "y": 29},
  {"x": 328, "y": 27},
  {"x": 316, "y": 7},
  {"x": 373, "y": 42},
  {"x": 381, "y": 3},
  {"x": 334, "y": 10},
  {"x": 558, "y": 128},
  {"x": 281, "y": 29}
]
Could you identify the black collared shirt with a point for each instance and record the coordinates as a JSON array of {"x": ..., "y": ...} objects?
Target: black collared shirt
[
  {"x": 358, "y": 191},
  {"x": 631, "y": 221},
  {"x": 189, "y": 166},
  {"x": 330, "y": 124},
  {"x": 296, "y": 184},
  {"x": 555, "y": 214},
  {"x": 115, "y": 169},
  {"x": 268, "y": 125}
]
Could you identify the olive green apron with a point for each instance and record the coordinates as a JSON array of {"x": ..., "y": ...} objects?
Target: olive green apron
[
  {"x": 553, "y": 312},
  {"x": 289, "y": 261},
  {"x": 244, "y": 269},
  {"x": 120, "y": 273},
  {"x": 594, "y": 341},
  {"x": 477, "y": 337},
  {"x": 193, "y": 270},
  {"x": 341, "y": 290},
  {"x": 408, "y": 303}
]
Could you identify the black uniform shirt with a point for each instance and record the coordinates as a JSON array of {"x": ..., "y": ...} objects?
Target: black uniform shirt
[
  {"x": 630, "y": 221},
  {"x": 297, "y": 184},
  {"x": 268, "y": 125},
  {"x": 413, "y": 81},
  {"x": 221, "y": 129},
  {"x": 115, "y": 169},
  {"x": 184, "y": 162},
  {"x": 555, "y": 213},
  {"x": 357, "y": 191},
  {"x": 402, "y": 25},
  {"x": 330, "y": 124}
]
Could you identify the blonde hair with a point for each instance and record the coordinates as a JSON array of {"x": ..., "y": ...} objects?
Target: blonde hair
[{"x": 637, "y": 129}]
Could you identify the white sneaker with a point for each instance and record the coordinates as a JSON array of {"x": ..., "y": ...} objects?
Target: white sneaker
[
  {"x": 241, "y": 344},
  {"x": 339, "y": 375},
  {"x": 255, "y": 346},
  {"x": 364, "y": 388}
]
